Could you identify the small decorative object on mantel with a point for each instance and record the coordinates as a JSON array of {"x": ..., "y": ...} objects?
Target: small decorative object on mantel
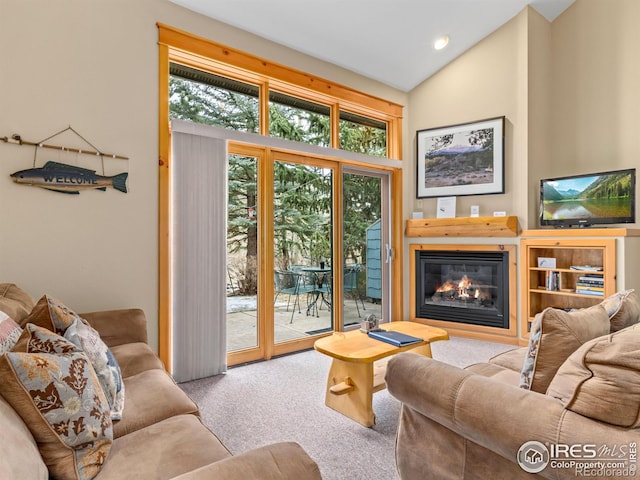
[
  {"x": 446, "y": 207},
  {"x": 64, "y": 178},
  {"x": 465, "y": 159}
]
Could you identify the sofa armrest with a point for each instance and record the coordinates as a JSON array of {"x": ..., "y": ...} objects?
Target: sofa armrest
[
  {"x": 478, "y": 408},
  {"x": 117, "y": 327},
  {"x": 278, "y": 461}
]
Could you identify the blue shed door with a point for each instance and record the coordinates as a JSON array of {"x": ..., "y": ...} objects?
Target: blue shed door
[{"x": 374, "y": 261}]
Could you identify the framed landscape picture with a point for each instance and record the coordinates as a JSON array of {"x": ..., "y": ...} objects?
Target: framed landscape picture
[{"x": 464, "y": 159}]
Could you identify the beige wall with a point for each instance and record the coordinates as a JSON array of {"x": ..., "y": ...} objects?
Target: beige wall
[
  {"x": 487, "y": 81},
  {"x": 595, "y": 96},
  {"x": 93, "y": 64},
  {"x": 569, "y": 91},
  {"x": 539, "y": 112}
]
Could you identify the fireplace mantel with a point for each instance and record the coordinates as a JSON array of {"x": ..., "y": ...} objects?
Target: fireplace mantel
[{"x": 463, "y": 227}]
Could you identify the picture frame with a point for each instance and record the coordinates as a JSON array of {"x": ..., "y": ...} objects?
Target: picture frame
[{"x": 462, "y": 159}]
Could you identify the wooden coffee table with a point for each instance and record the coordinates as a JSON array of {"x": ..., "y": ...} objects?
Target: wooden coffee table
[{"x": 359, "y": 365}]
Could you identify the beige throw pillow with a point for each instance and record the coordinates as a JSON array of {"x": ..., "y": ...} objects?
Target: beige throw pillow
[
  {"x": 623, "y": 309},
  {"x": 556, "y": 334},
  {"x": 601, "y": 379}
]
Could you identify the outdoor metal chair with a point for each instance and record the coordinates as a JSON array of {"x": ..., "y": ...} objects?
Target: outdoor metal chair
[
  {"x": 291, "y": 283},
  {"x": 287, "y": 283}
]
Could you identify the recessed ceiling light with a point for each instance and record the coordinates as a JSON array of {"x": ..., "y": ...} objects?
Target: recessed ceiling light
[{"x": 441, "y": 42}]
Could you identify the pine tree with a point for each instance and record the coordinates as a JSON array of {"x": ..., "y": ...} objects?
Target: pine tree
[{"x": 303, "y": 193}]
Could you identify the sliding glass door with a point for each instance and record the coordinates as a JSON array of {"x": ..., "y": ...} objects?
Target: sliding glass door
[
  {"x": 242, "y": 253},
  {"x": 302, "y": 249},
  {"x": 365, "y": 243},
  {"x": 307, "y": 250}
]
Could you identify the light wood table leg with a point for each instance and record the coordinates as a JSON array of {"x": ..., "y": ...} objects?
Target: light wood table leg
[
  {"x": 350, "y": 390},
  {"x": 423, "y": 350}
]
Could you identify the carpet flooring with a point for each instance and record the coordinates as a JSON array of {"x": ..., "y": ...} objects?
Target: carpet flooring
[{"x": 283, "y": 400}]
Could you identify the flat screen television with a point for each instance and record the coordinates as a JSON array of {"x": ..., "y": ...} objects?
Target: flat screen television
[{"x": 590, "y": 199}]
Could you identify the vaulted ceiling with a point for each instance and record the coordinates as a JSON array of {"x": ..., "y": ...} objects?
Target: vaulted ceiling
[{"x": 387, "y": 40}]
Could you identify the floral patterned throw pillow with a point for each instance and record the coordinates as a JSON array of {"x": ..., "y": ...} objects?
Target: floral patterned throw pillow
[
  {"x": 35, "y": 339},
  {"x": 60, "y": 400},
  {"x": 51, "y": 314},
  {"x": 104, "y": 363}
]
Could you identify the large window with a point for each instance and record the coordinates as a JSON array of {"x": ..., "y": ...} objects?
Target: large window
[
  {"x": 203, "y": 97},
  {"x": 284, "y": 209},
  {"x": 299, "y": 120},
  {"x": 363, "y": 135}
]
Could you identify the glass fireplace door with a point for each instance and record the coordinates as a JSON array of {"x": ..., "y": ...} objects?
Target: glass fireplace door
[{"x": 463, "y": 286}]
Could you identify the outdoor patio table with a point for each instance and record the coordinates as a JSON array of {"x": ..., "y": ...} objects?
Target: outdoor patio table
[{"x": 323, "y": 289}]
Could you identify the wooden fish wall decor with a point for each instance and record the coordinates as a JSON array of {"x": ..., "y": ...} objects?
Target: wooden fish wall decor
[{"x": 64, "y": 178}]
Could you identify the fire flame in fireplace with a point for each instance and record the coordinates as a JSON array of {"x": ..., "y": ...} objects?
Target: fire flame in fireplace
[{"x": 463, "y": 289}]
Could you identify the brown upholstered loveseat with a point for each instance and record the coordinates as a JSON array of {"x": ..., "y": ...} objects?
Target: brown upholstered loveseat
[
  {"x": 160, "y": 435},
  {"x": 567, "y": 406}
]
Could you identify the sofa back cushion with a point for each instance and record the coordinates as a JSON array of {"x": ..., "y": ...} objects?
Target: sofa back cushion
[
  {"x": 556, "y": 334},
  {"x": 15, "y": 302},
  {"x": 601, "y": 379},
  {"x": 19, "y": 455}
]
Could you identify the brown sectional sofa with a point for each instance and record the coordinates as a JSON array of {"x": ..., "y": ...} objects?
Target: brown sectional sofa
[
  {"x": 160, "y": 435},
  {"x": 553, "y": 406}
]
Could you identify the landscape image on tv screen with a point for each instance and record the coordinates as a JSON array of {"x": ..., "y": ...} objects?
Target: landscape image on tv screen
[{"x": 598, "y": 198}]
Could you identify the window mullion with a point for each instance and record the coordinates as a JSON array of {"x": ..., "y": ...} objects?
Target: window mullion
[
  {"x": 335, "y": 125},
  {"x": 264, "y": 108}
]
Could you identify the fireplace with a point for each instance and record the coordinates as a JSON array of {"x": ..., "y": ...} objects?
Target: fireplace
[{"x": 463, "y": 286}]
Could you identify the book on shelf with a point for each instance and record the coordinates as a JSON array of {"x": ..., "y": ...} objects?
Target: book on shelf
[
  {"x": 594, "y": 280},
  {"x": 590, "y": 284},
  {"x": 585, "y": 268},
  {"x": 590, "y": 292},
  {"x": 593, "y": 288}
]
